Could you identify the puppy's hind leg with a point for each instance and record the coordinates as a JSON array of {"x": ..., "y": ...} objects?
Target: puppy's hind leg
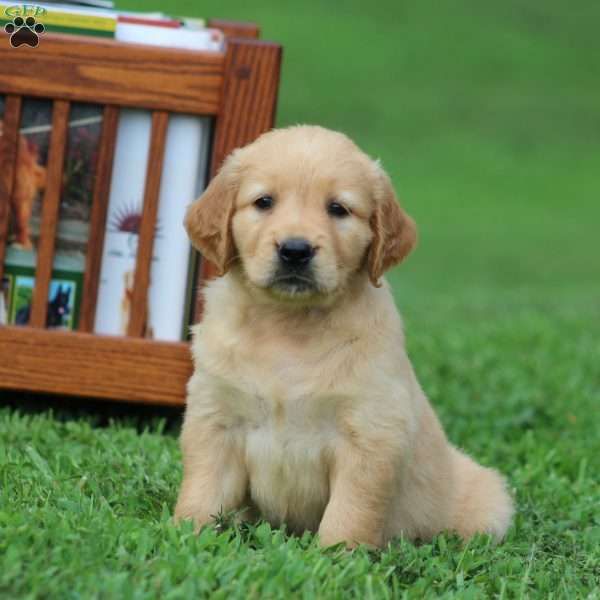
[
  {"x": 214, "y": 475},
  {"x": 482, "y": 503}
]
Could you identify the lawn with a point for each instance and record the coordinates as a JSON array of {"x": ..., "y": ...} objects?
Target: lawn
[{"x": 487, "y": 116}]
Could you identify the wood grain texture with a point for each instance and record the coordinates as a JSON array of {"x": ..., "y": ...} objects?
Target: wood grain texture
[
  {"x": 252, "y": 70},
  {"x": 105, "y": 71},
  {"x": 8, "y": 159},
  {"x": 139, "y": 302},
  {"x": 235, "y": 29},
  {"x": 248, "y": 104},
  {"x": 82, "y": 364},
  {"x": 95, "y": 245},
  {"x": 50, "y": 210}
]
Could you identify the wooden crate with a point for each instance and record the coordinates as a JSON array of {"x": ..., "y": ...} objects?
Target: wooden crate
[{"x": 237, "y": 87}]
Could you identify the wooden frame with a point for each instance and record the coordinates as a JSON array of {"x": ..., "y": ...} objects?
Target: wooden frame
[{"x": 238, "y": 87}]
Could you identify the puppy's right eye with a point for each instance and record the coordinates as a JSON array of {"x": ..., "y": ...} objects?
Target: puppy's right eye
[
  {"x": 264, "y": 203},
  {"x": 335, "y": 209}
]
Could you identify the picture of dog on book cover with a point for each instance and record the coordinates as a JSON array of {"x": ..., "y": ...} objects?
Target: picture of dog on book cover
[
  {"x": 29, "y": 181},
  {"x": 30, "y": 174}
]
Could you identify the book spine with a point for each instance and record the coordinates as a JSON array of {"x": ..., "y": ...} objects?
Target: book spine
[{"x": 81, "y": 31}]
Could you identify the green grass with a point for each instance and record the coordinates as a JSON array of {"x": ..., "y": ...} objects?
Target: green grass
[{"x": 486, "y": 115}]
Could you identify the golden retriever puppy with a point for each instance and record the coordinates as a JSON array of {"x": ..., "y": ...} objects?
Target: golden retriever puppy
[{"x": 304, "y": 408}]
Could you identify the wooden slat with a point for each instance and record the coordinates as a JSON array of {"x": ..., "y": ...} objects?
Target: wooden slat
[
  {"x": 247, "y": 109},
  {"x": 82, "y": 364},
  {"x": 139, "y": 303},
  {"x": 8, "y": 156},
  {"x": 105, "y": 71},
  {"x": 249, "y": 95},
  {"x": 50, "y": 210},
  {"x": 235, "y": 29},
  {"x": 97, "y": 226}
]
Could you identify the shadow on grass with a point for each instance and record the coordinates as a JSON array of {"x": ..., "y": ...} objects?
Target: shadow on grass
[{"x": 97, "y": 413}]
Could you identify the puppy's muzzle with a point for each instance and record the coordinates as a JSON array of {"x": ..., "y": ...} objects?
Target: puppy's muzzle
[{"x": 294, "y": 272}]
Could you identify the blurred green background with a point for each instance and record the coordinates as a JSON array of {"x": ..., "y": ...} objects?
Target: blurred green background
[{"x": 487, "y": 116}]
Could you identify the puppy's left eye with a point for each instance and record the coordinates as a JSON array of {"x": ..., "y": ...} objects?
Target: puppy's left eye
[
  {"x": 335, "y": 209},
  {"x": 264, "y": 203}
]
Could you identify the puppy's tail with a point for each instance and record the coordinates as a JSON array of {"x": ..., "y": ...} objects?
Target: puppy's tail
[{"x": 482, "y": 502}]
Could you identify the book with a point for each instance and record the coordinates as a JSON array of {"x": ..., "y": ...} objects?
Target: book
[
  {"x": 60, "y": 18},
  {"x": 18, "y": 281},
  {"x": 90, "y": 3},
  {"x": 161, "y": 34},
  {"x": 156, "y": 20}
]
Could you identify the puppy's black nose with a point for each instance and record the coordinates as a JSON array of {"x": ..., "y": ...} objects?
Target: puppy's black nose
[{"x": 295, "y": 252}]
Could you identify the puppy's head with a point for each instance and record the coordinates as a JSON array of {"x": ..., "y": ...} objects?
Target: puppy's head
[{"x": 301, "y": 210}]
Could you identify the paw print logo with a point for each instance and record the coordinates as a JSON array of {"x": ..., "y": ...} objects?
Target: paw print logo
[{"x": 24, "y": 31}]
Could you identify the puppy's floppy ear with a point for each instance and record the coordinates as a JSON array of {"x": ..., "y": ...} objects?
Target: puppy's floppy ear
[
  {"x": 208, "y": 219},
  {"x": 394, "y": 232}
]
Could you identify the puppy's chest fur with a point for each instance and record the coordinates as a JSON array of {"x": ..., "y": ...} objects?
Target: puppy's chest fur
[
  {"x": 284, "y": 404},
  {"x": 287, "y": 442}
]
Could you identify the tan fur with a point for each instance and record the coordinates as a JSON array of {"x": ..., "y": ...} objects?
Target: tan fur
[
  {"x": 394, "y": 232},
  {"x": 304, "y": 407},
  {"x": 30, "y": 179},
  {"x": 210, "y": 227}
]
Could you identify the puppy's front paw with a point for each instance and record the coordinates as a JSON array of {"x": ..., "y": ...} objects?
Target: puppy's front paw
[
  {"x": 331, "y": 536},
  {"x": 184, "y": 513}
]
